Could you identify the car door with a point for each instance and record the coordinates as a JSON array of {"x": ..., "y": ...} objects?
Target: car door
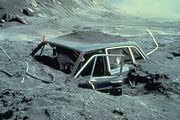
[
  {"x": 98, "y": 78},
  {"x": 131, "y": 55},
  {"x": 128, "y": 59}
]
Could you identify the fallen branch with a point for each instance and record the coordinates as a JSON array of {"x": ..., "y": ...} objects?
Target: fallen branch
[
  {"x": 5, "y": 52},
  {"x": 6, "y": 72},
  {"x": 38, "y": 78}
]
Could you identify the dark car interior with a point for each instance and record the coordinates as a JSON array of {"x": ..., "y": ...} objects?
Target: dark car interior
[{"x": 59, "y": 58}]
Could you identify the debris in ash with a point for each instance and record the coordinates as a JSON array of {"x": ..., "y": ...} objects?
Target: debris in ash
[
  {"x": 2, "y": 21},
  {"x": 13, "y": 103},
  {"x": 20, "y": 19},
  {"x": 143, "y": 82},
  {"x": 176, "y": 54},
  {"x": 28, "y": 11},
  {"x": 10, "y": 17},
  {"x": 6, "y": 115},
  {"x": 46, "y": 112},
  {"x": 25, "y": 118},
  {"x": 26, "y": 100},
  {"x": 170, "y": 57},
  {"x": 119, "y": 111},
  {"x": 154, "y": 87},
  {"x": 137, "y": 75},
  {"x": 86, "y": 115}
]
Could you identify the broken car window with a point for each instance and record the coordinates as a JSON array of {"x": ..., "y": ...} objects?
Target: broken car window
[
  {"x": 66, "y": 59},
  {"x": 57, "y": 57}
]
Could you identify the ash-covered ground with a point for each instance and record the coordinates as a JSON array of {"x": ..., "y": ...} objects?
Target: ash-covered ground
[{"x": 24, "y": 23}]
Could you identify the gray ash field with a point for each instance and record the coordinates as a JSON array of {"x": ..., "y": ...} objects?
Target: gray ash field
[{"x": 23, "y": 97}]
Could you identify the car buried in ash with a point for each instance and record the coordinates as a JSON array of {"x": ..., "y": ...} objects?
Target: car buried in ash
[{"x": 96, "y": 60}]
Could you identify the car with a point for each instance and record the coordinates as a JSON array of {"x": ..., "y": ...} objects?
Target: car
[{"x": 96, "y": 60}]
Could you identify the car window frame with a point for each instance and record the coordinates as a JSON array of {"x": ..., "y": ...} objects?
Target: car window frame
[
  {"x": 95, "y": 58},
  {"x": 139, "y": 51},
  {"x": 112, "y": 71}
]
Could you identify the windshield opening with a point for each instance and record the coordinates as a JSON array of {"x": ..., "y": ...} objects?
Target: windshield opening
[{"x": 57, "y": 57}]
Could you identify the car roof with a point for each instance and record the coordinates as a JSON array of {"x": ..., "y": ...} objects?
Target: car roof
[{"x": 85, "y": 41}]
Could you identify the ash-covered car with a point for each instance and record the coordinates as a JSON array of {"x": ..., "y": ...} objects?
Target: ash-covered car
[{"x": 96, "y": 60}]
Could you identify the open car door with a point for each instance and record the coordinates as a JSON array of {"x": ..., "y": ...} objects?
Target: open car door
[{"x": 96, "y": 80}]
